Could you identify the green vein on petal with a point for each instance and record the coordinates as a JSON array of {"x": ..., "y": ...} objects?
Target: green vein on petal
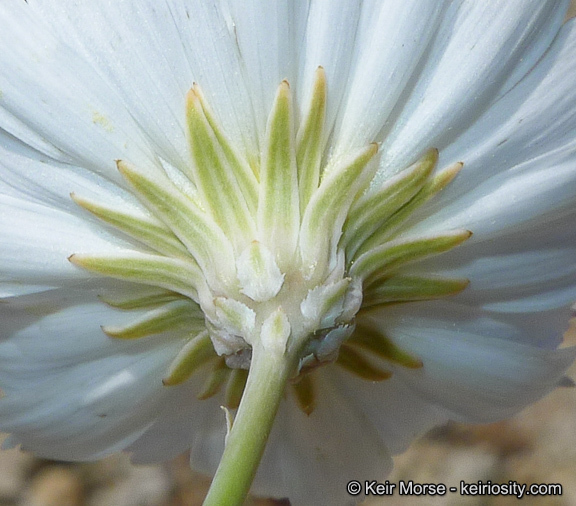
[
  {"x": 216, "y": 178},
  {"x": 180, "y": 276},
  {"x": 371, "y": 210},
  {"x": 357, "y": 364},
  {"x": 402, "y": 288},
  {"x": 147, "y": 230},
  {"x": 278, "y": 206},
  {"x": 310, "y": 141},
  {"x": 193, "y": 355},
  {"x": 379, "y": 262},
  {"x": 376, "y": 342},
  {"x": 174, "y": 316}
]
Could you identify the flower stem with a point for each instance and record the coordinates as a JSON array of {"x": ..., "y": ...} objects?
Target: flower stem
[{"x": 247, "y": 439}]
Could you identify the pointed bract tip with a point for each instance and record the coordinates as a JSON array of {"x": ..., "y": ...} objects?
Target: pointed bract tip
[
  {"x": 415, "y": 363},
  {"x": 431, "y": 156},
  {"x": 116, "y": 332},
  {"x": 192, "y": 96},
  {"x": 197, "y": 89},
  {"x": 447, "y": 175},
  {"x": 308, "y": 409},
  {"x": 455, "y": 169},
  {"x": 124, "y": 168},
  {"x": 76, "y": 199},
  {"x": 283, "y": 95},
  {"x": 81, "y": 202},
  {"x": 461, "y": 235},
  {"x": 107, "y": 330}
]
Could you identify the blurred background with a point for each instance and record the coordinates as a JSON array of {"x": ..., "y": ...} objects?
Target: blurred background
[{"x": 536, "y": 446}]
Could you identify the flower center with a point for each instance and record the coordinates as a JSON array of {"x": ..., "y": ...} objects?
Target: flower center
[{"x": 289, "y": 254}]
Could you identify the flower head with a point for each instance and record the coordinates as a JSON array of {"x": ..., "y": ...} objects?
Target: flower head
[{"x": 347, "y": 221}]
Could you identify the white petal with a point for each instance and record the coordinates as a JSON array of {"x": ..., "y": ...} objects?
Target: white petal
[
  {"x": 479, "y": 48},
  {"x": 300, "y": 449},
  {"x": 468, "y": 368},
  {"x": 268, "y": 35},
  {"x": 20, "y": 130},
  {"x": 331, "y": 34},
  {"x": 150, "y": 53},
  {"x": 321, "y": 452},
  {"x": 60, "y": 95},
  {"x": 548, "y": 275},
  {"x": 391, "y": 39},
  {"x": 136, "y": 52},
  {"x": 512, "y": 198},
  {"x": 71, "y": 392},
  {"x": 528, "y": 269},
  {"x": 523, "y": 145},
  {"x": 538, "y": 328},
  {"x": 37, "y": 241},
  {"x": 210, "y": 44},
  {"x": 398, "y": 412},
  {"x": 94, "y": 85},
  {"x": 181, "y": 423},
  {"x": 29, "y": 175}
]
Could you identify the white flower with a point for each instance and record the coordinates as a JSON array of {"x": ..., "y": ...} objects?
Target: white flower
[{"x": 289, "y": 184}]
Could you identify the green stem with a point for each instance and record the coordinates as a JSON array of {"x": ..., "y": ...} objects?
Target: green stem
[{"x": 247, "y": 439}]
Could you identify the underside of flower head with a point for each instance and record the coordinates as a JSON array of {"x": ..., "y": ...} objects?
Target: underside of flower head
[
  {"x": 270, "y": 269},
  {"x": 265, "y": 244},
  {"x": 288, "y": 254}
]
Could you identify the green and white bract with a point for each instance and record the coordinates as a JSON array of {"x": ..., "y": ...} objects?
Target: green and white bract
[
  {"x": 286, "y": 255},
  {"x": 268, "y": 206}
]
